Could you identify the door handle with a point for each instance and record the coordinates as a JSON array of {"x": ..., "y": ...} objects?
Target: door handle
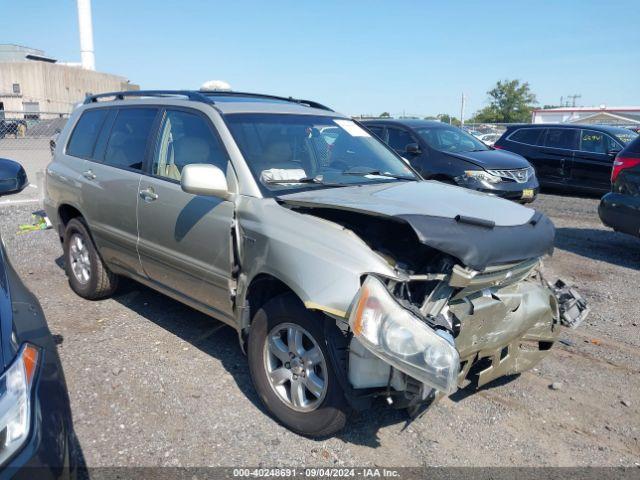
[
  {"x": 89, "y": 175},
  {"x": 148, "y": 195}
]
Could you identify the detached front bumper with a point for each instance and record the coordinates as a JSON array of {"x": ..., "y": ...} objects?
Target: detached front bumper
[
  {"x": 511, "y": 330},
  {"x": 505, "y": 318}
]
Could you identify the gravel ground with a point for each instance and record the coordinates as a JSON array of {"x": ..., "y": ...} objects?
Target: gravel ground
[{"x": 153, "y": 382}]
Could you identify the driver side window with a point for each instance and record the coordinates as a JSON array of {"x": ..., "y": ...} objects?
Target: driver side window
[
  {"x": 399, "y": 139},
  {"x": 185, "y": 138}
]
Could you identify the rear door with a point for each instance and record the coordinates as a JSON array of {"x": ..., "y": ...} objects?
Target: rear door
[
  {"x": 553, "y": 159},
  {"x": 111, "y": 181},
  {"x": 184, "y": 239},
  {"x": 592, "y": 164}
]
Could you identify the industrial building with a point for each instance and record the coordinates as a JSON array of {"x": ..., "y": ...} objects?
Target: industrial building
[
  {"x": 32, "y": 83},
  {"x": 602, "y": 114}
]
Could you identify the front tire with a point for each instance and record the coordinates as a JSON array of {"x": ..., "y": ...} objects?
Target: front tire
[
  {"x": 291, "y": 369},
  {"x": 88, "y": 276}
]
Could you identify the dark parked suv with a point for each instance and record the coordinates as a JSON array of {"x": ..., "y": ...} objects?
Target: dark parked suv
[
  {"x": 620, "y": 208},
  {"x": 575, "y": 156},
  {"x": 36, "y": 433},
  {"x": 448, "y": 154}
]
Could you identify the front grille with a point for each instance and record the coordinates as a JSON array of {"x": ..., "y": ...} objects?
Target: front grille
[
  {"x": 520, "y": 175},
  {"x": 470, "y": 281}
]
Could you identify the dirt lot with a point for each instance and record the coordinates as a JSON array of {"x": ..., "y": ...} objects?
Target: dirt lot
[{"x": 155, "y": 383}]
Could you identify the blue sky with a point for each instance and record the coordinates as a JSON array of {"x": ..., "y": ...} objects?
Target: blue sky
[{"x": 356, "y": 56}]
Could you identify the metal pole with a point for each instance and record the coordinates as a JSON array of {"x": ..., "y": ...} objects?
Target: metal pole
[
  {"x": 85, "y": 26},
  {"x": 462, "y": 111}
]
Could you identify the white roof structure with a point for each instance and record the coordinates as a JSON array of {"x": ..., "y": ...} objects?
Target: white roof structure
[{"x": 626, "y": 115}]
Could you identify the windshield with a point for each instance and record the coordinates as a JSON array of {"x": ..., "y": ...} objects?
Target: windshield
[
  {"x": 291, "y": 152},
  {"x": 450, "y": 139}
]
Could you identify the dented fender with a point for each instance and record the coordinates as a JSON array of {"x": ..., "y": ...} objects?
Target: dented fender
[{"x": 320, "y": 261}]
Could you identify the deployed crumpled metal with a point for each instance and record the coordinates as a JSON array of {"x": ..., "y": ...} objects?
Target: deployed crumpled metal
[{"x": 573, "y": 306}]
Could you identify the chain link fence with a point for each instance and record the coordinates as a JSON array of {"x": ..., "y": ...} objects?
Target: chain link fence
[{"x": 29, "y": 130}]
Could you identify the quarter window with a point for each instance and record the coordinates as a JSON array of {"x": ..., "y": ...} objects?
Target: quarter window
[
  {"x": 185, "y": 138},
  {"x": 85, "y": 133},
  {"x": 565, "y": 138},
  {"x": 128, "y": 138}
]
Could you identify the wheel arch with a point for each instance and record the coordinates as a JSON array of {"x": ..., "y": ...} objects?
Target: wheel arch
[{"x": 66, "y": 212}]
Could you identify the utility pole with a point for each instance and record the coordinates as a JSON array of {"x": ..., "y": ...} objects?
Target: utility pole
[
  {"x": 462, "y": 111},
  {"x": 573, "y": 98}
]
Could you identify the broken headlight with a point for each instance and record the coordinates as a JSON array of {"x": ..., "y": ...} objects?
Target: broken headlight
[{"x": 401, "y": 339}]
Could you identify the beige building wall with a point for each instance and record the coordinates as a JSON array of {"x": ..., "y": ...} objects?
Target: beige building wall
[{"x": 54, "y": 87}]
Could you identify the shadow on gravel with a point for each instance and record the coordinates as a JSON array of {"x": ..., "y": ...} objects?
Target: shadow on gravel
[
  {"x": 362, "y": 427},
  {"x": 604, "y": 245},
  {"x": 221, "y": 342},
  {"x": 203, "y": 332},
  {"x": 472, "y": 387}
]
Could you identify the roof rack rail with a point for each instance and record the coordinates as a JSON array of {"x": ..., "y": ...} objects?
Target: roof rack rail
[
  {"x": 231, "y": 93},
  {"x": 190, "y": 94},
  {"x": 198, "y": 96}
]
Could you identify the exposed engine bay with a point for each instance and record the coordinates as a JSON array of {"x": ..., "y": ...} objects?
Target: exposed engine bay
[{"x": 495, "y": 322}]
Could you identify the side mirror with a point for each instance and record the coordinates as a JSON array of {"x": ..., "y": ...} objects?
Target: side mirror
[
  {"x": 204, "y": 179},
  {"x": 412, "y": 149},
  {"x": 13, "y": 178}
]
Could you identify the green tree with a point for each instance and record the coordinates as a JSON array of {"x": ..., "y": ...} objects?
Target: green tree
[
  {"x": 446, "y": 118},
  {"x": 385, "y": 115},
  {"x": 510, "y": 101}
]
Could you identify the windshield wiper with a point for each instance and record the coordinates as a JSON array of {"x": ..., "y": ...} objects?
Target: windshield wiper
[
  {"x": 295, "y": 180},
  {"x": 373, "y": 171},
  {"x": 317, "y": 180}
]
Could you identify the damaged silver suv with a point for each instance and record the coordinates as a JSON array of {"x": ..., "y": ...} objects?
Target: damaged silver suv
[{"x": 347, "y": 276}]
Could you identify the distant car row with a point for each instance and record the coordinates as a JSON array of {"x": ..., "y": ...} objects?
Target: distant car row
[
  {"x": 576, "y": 157},
  {"x": 442, "y": 152},
  {"x": 569, "y": 156}
]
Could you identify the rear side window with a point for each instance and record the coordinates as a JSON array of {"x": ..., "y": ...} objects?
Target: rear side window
[
  {"x": 530, "y": 136},
  {"x": 566, "y": 138},
  {"x": 593, "y": 142},
  {"x": 84, "y": 135},
  {"x": 128, "y": 138}
]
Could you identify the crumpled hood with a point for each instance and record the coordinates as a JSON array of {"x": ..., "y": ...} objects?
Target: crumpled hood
[
  {"x": 493, "y": 159},
  {"x": 478, "y": 229},
  {"x": 428, "y": 198}
]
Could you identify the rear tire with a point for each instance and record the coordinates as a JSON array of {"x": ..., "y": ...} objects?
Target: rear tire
[
  {"x": 318, "y": 411},
  {"x": 88, "y": 276}
]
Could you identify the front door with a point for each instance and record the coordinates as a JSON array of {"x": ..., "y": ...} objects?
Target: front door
[
  {"x": 592, "y": 163},
  {"x": 185, "y": 240}
]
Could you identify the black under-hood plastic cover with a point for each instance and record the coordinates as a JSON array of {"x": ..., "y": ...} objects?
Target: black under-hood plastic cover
[{"x": 478, "y": 246}]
